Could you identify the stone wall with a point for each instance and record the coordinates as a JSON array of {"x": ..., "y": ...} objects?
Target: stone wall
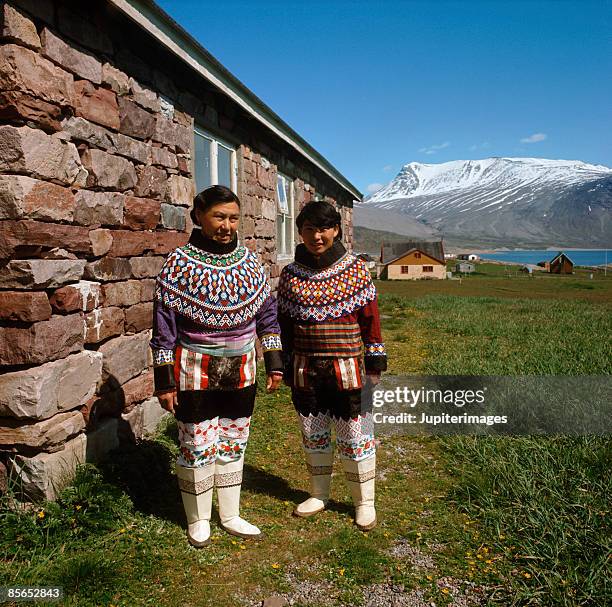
[{"x": 96, "y": 140}]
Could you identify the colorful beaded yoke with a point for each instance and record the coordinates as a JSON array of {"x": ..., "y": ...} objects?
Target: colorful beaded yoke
[
  {"x": 319, "y": 295},
  {"x": 217, "y": 291}
]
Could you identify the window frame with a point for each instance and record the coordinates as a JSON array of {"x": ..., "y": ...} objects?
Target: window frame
[
  {"x": 215, "y": 142},
  {"x": 405, "y": 269},
  {"x": 428, "y": 269},
  {"x": 284, "y": 249}
]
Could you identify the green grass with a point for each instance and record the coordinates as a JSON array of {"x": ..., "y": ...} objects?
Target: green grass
[{"x": 522, "y": 521}]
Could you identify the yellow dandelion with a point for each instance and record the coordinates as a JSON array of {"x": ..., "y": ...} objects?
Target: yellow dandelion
[
  {"x": 41, "y": 514},
  {"x": 275, "y": 566},
  {"x": 242, "y": 547},
  {"x": 234, "y": 542},
  {"x": 445, "y": 590},
  {"x": 502, "y": 537},
  {"x": 430, "y": 577},
  {"x": 341, "y": 571},
  {"x": 122, "y": 530},
  {"x": 489, "y": 561},
  {"x": 527, "y": 575},
  {"x": 78, "y": 507}
]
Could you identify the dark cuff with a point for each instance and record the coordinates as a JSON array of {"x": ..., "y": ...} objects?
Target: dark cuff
[
  {"x": 163, "y": 376},
  {"x": 375, "y": 364},
  {"x": 273, "y": 359}
]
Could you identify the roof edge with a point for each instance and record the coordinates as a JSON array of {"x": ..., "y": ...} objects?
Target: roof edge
[{"x": 168, "y": 32}]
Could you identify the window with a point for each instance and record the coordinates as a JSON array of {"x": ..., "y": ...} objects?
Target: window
[
  {"x": 214, "y": 162},
  {"x": 404, "y": 269},
  {"x": 284, "y": 217},
  {"x": 417, "y": 255},
  {"x": 427, "y": 268}
]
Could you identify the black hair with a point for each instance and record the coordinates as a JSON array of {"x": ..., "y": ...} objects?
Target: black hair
[
  {"x": 215, "y": 194},
  {"x": 320, "y": 214}
]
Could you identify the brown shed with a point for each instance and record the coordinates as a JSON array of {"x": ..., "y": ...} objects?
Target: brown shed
[{"x": 561, "y": 264}]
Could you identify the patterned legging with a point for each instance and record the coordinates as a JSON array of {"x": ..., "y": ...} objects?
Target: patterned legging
[{"x": 220, "y": 438}]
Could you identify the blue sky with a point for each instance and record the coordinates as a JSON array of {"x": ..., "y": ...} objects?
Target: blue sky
[{"x": 375, "y": 85}]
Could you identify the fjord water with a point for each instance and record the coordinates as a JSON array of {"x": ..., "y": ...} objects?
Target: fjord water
[{"x": 580, "y": 257}]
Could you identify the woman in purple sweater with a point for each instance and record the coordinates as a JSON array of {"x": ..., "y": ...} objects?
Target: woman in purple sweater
[{"x": 212, "y": 300}]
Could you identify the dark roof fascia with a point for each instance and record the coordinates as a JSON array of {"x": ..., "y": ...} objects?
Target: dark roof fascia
[{"x": 148, "y": 15}]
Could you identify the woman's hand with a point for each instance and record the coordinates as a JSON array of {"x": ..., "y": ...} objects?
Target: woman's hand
[
  {"x": 168, "y": 400},
  {"x": 274, "y": 381}
]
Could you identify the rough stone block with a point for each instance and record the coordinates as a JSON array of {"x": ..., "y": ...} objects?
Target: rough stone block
[
  {"x": 141, "y": 213},
  {"x": 43, "y": 476},
  {"x": 116, "y": 79},
  {"x": 183, "y": 165},
  {"x": 173, "y": 217},
  {"x": 135, "y": 121},
  {"x": 26, "y": 150},
  {"x": 22, "y": 197},
  {"x": 47, "y": 435},
  {"x": 94, "y": 209},
  {"x": 152, "y": 415},
  {"x": 96, "y": 104},
  {"x": 16, "y": 27},
  {"x": 130, "y": 424},
  {"x": 81, "y": 297},
  {"x": 144, "y": 96},
  {"x": 24, "y": 306},
  {"x": 137, "y": 389},
  {"x": 25, "y": 237},
  {"x": 125, "y": 357},
  {"x": 124, "y": 293},
  {"x": 101, "y": 241},
  {"x": 151, "y": 182},
  {"x": 26, "y": 71},
  {"x": 16, "y": 106},
  {"x": 44, "y": 341},
  {"x": 139, "y": 317},
  {"x": 129, "y": 244},
  {"x": 247, "y": 227},
  {"x": 108, "y": 268},
  {"x": 146, "y": 267},
  {"x": 180, "y": 190},
  {"x": 107, "y": 171},
  {"x": 103, "y": 323},
  {"x": 268, "y": 209},
  {"x": 164, "y": 158},
  {"x": 41, "y": 273},
  {"x": 131, "y": 148},
  {"x": 102, "y": 439},
  {"x": 83, "y": 130},
  {"x": 264, "y": 228},
  {"x": 147, "y": 290},
  {"x": 43, "y": 391},
  {"x": 80, "y": 63}
]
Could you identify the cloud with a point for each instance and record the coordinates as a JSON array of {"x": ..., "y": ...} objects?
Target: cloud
[
  {"x": 387, "y": 168},
  {"x": 535, "y": 138},
  {"x": 432, "y": 149},
  {"x": 374, "y": 187}
]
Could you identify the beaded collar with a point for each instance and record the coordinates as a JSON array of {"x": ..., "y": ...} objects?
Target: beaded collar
[{"x": 220, "y": 289}]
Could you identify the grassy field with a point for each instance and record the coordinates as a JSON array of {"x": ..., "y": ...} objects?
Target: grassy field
[{"x": 463, "y": 520}]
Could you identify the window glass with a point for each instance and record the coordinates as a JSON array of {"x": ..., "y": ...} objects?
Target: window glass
[
  {"x": 224, "y": 164},
  {"x": 202, "y": 162}
]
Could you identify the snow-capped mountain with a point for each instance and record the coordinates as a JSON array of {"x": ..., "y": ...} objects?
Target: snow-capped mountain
[{"x": 512, "y": 201}]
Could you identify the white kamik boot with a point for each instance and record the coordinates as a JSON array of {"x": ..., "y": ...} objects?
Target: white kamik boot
[
  {"x": 228, "y": 481},
  {"x": 320, "y": 467},
  {"x": 196, "y": 490},
  {"x": 360, "y": 478}
]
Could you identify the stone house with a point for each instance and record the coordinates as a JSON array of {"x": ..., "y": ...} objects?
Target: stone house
[{"x": 111, "y": 117}]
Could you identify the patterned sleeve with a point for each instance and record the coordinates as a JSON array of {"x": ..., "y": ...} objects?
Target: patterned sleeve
[
  {"x": 163, "y": 343},
  {"x": 268, "y": 331},
  {"x": 369, "y": 322}
]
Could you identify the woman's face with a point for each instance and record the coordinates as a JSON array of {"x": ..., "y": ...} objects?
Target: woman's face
[
  {"x": 318, "y": 240},
  {"x": 220, "y": 221}
]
